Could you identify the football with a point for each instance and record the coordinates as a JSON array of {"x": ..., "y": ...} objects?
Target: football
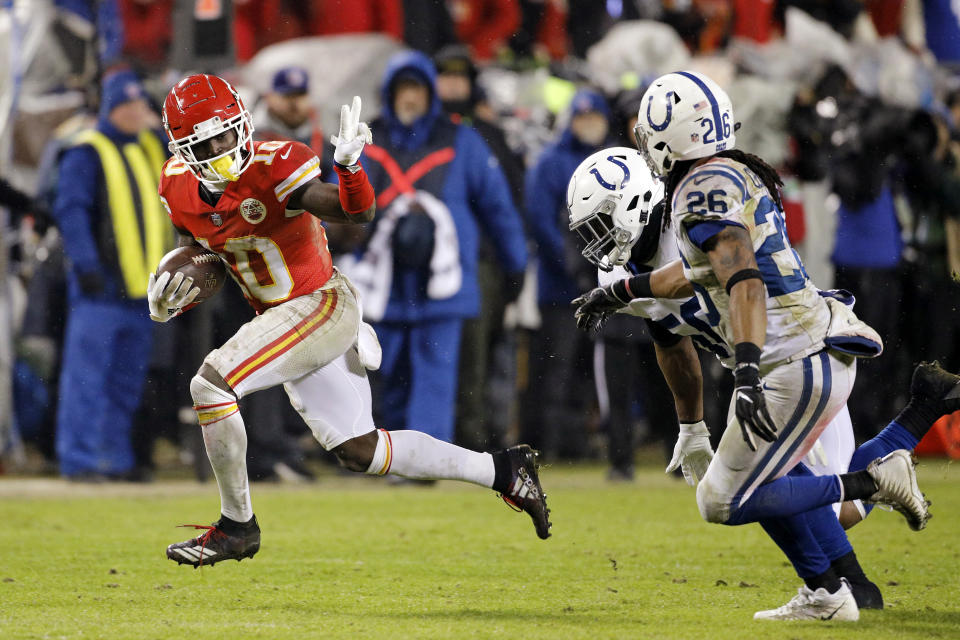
[{"x": 205, "y": 267}]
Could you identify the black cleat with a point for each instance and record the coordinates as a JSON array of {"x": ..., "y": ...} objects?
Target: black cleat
[
  {"x": 216, "y": 544},
  {"x": 935, "y": 387},
  {"x": 525, "y": 492},
  {"x": 866, "y": 593}
]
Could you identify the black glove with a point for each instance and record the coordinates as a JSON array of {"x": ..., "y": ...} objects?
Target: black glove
[
  {"x": 595, "y": 306},
  {"x": 91, "y": 283},
  {"x": 512, "y": 286},
  {"x": 751, "y": 407}
]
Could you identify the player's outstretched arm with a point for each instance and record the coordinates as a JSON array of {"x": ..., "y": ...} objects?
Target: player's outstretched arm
[
  {"x": 325, "y": 201},
  {"x": 669, "y": 282},
  {"x": 735, "y": 265},
  {"x": 353, "y": 200},
  {"x": 595, "y": 306}
]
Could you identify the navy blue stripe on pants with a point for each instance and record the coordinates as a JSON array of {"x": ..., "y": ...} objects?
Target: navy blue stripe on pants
[
  {"x": 790, "y": 494},
  {"x": 796, "y": 510}
]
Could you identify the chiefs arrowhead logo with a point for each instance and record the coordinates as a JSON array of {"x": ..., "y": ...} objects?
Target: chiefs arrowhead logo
[{"x": 253, "y": 211}]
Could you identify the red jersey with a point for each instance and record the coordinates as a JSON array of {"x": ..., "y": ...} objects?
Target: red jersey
[{"x": 274, "y": 254}]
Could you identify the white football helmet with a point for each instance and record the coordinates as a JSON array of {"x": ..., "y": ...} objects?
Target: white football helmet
[
  {"x": 609, "y": 199},
  {"x": 683, "y": 116}
]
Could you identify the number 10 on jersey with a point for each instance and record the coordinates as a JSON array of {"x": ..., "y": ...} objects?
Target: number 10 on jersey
[{"x": 261, "y": 267}]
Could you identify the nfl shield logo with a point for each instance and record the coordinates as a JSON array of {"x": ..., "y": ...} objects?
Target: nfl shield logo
[{"x": 216, "y": 219}]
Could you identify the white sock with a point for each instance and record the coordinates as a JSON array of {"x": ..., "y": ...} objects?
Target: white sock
[
  {"x": 414, "y": 454},
  {"x": 226, "y": 442}
]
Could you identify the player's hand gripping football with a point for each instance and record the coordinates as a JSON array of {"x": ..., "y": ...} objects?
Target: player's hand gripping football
[
  {"x": 167, "y": 295},
  {"x": 353, "y": 135},
  {"x": 692, "y": 453},
  {"x": 595, "y": 306},
  {"x": 751, "y": 407}
]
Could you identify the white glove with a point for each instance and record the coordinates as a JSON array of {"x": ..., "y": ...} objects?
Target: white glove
[
  {"x": 692, "y": 453},
  {"x": 166, "y": 296},
  {"x": 353, "y": 135}
]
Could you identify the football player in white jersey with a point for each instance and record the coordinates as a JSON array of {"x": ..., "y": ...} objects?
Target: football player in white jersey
[
  {"x": 735, "y": 257},
  {"x": 601, "y": 198},
  {"x": 607, "y": 199}
]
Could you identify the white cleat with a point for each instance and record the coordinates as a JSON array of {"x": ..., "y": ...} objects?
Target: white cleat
[
  {"x": 816, "y": 605},
  {"x": 896, "y": 479}
]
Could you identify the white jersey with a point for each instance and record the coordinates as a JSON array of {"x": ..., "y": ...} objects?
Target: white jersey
[
  {"x": 680, "y": 316},
  {"x": 725, "y": 192}
]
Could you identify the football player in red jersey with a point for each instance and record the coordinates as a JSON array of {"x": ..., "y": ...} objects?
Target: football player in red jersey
[{"x": 259, "y": 206}]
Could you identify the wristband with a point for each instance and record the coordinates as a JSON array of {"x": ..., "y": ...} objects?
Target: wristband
[
  {"x": 747, "y": 353},
  {"x": 747, "y": 371},
  {"x": 743, "y": 274},
  {"x": 639, "y": 286},
  {"x": 356, "y": 192},
  {"x": 619, "y": 291}
]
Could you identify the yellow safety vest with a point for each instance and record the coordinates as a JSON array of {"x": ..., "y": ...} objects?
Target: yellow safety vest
[{"x": 145, "y": 158}]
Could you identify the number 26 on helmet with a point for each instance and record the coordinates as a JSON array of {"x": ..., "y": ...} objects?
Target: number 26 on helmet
[{"x": 683, "y": 116}]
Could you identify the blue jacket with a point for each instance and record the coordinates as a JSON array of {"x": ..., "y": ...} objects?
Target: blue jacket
[
  {"x": 942, "y": 25},
  {"x": 82, "y": 211},
  {"x": 545, "y": 194},
  {"x": 471, "y": 185},
  {"x": 869, "y": 237},
  {"x": 105, "y": 16}
]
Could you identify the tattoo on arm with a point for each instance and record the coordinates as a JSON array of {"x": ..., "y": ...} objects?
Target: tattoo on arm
[{"x": 730, "y": 251}]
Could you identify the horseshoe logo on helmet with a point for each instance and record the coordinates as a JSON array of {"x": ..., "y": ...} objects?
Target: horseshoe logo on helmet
[
  {"x": 607, "y": 185},
  {"x": 666, "y": 120}
]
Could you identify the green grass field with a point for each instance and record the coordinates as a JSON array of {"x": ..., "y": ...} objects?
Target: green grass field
[{"x": 355, "y": 558}]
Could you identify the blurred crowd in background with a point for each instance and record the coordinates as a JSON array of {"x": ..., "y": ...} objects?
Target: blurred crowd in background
[{"x": 856, "y": 102}]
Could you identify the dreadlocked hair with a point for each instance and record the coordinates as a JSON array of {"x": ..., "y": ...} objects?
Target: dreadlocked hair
[{"x": 767, "y": 174}]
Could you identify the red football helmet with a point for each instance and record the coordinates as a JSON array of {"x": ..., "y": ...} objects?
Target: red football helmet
[{"x": 201, "y": 107}]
